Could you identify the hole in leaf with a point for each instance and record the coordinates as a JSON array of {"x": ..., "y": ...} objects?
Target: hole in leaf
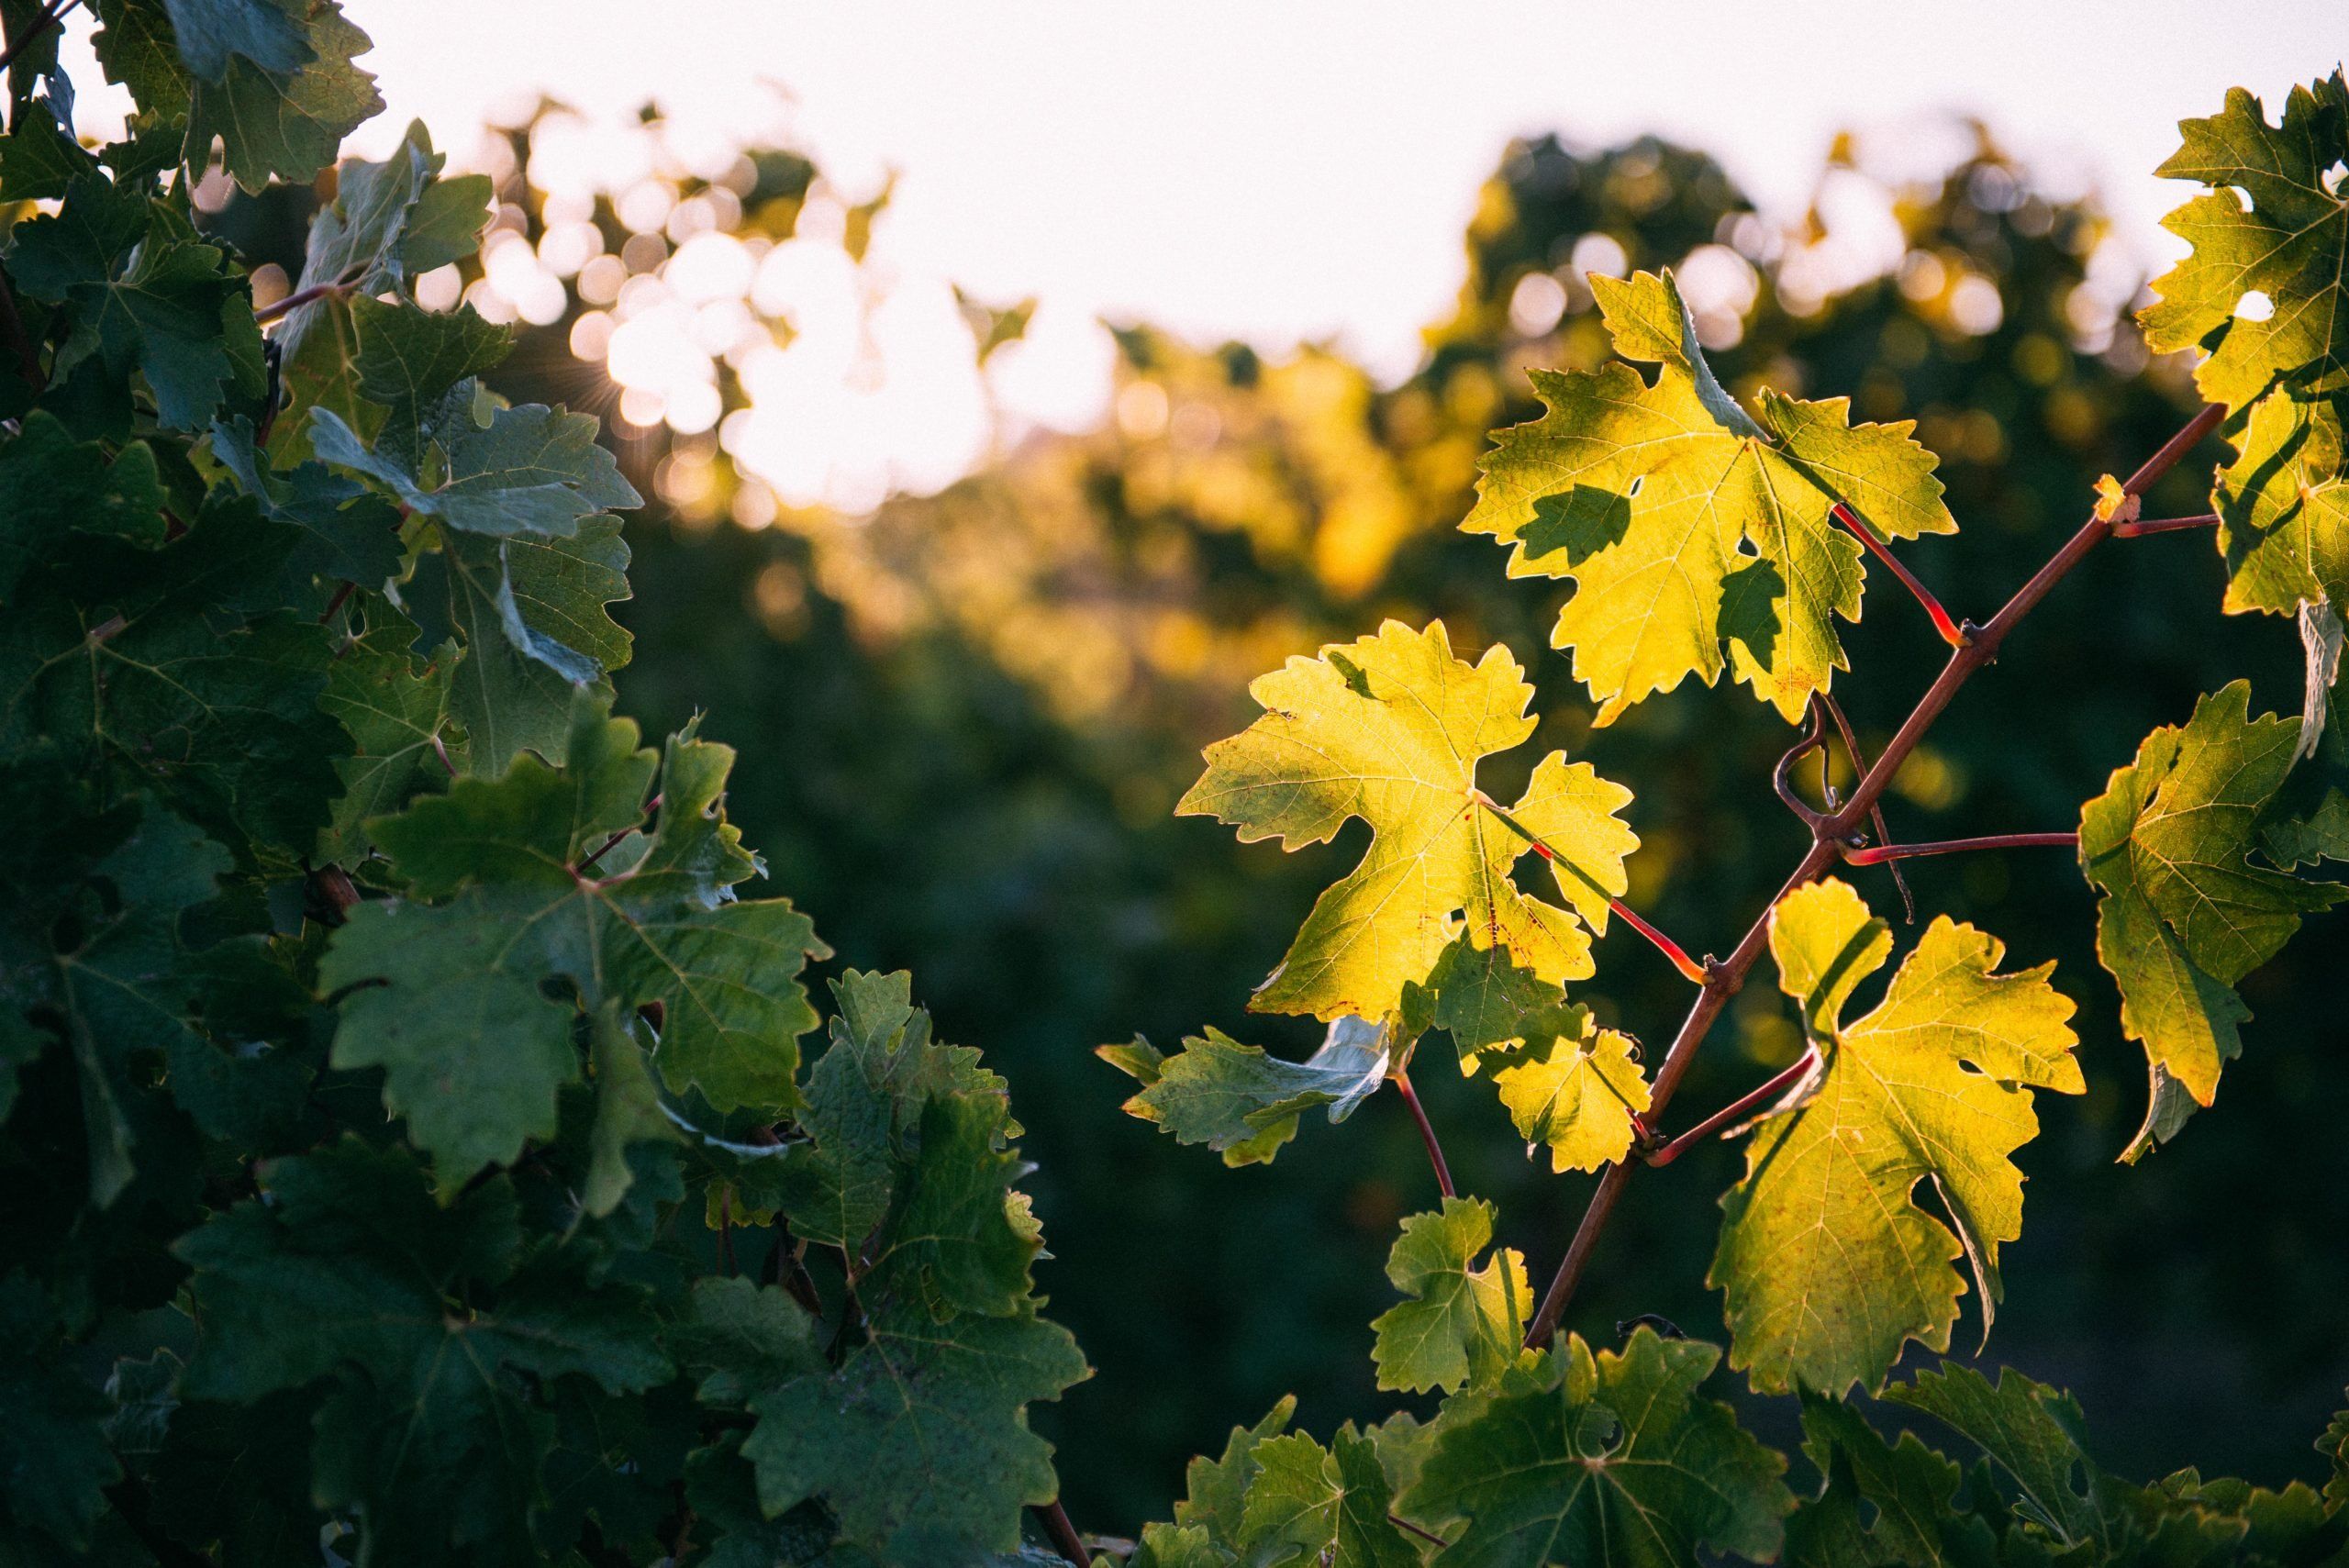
[{"x": 2254, "y": 306}]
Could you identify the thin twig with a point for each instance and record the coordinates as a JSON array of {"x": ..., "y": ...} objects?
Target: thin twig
[
  {"x": 1402, "y": 1081},
  {"x": 1065, "y": 1541},
  {"x": 1883, "y": 855},
  {"x": 1688, "y": 966},
  {"x": 2134, "y": 528},
  {"x": 1735, "y": 1111},
  {"x": 1949, "y": 629},
  {"x": 41, "y": 24},
  {"x": 1726, "y": 976},
  {"x": 1875, "y": 810}
]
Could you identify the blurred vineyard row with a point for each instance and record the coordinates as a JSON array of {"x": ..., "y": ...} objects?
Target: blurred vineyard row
[{"x": 969, "y": 660}]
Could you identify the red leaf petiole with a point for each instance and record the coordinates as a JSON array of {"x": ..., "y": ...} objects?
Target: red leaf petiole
[{"x": 1949, "y": 629}]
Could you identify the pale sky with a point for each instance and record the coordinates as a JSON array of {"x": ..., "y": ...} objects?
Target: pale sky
[{"x": 1279, "y": 169}]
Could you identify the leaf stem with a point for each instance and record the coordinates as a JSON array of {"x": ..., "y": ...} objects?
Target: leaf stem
[
  {"x": 1402, "y": 1081},
  {"x": 41, "y": 24},
  {"x": 1949, "y": 631},
  {"x": 1743, "y": 1105},
  {"x": 1875, "y": 809},
  {"x": 1884, "y": 854},
  {"x": 1399, "y": 1522},
  {"x": 1726, "y": 976},
  {"x": 2134, "y": 528},
  {"x": 1688, "y": 966},
  {"x": 296, "y": 300},
  {"x": 1065, "y": 1541},
  {"x": 611, "y": 843}
]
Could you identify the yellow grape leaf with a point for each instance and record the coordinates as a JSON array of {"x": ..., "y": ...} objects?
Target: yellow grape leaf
[
  {"x": 2284, "y": 237},
  {"x": 1579, "y": 1096},
  {"x": 1390, "y": 730},
  {"x": 2283, "y": 508},
  {"x": 1688, "y": 523},
  {"x": 1461, "y": 1324},
  {"x": 1828, "y": 1263},
  {"x": 2187, "y": 913}
]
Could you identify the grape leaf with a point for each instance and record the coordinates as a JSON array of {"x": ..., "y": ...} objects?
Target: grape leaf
[
  {"x": 1486, "y": 1001},
  {"x": 1325, "y": 1508},
  {"x": 2290, "y": 241},
  {"x": 55, "y": 1463},
  {"x": 2186, "y": 914},
  {"x": 147, "y": 295},
  {"x": 389, "y": 223},
  {"x": 1687, "y": 523},
  {"x": 417, "y": 363},
  {"x": 532, "y": 470},
  {"x": 2283, "y": 509},
  {"x": 1911, "y": 1490},
  {"x": 1601, "y": 1462},
  {"x": 1462, "y": 1324},
  {"x": 1243, "y": 1102},
  {"x": 1581, "y": 1094},
  {"x": 477, "y": 1072},
  {"x": 51, "y": 485},
  {"x": 1216, "y": 1490},
  {"x": 2028, "y": 1430},
  {"x": 398, "y": 718},
  {"x": 37, "y": 160},
  {"x": 210, "y": 32},
  {"x": 1390, "y": 730},
  {"x": 1179, "y": 1546},
  {"x": 531, "y": 615},
  {"x": 919, "y": 1441},
  {"x": 347, "y": 1272},
  {"x": 2309, "y": 818},
  {"x": 270, "y": 120},
  {"x": 1829, "y": 1263}
]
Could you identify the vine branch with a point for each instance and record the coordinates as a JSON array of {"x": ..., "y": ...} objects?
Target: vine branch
[
  {"x": 1779, "y": 1083},
  {"x": 1724, "y": 977},
  {"x": 1065, "y": 1541},
  {"x": 1885, "y": 854},
  {"x": 41, "y": 24}
]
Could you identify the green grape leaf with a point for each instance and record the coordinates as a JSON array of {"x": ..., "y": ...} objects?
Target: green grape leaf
[
  {"x": 2288, "y": 241},
  {"x": 2283, "y": 509},
  {"x": 210, "y": 32},
  {"x": 37, "y": 160},
  {"x": 1486, "y": 1001},
  {"x": 389, "y": 223},
  {"x": 627, "y": 1110},
  {"x": 531, "y": 471},
  {"x": 744, "y": 1337},
  {"x": 1390, "y": 730},
  {"x": 1325, "y": 1508},
  {"x": 1216, "y": 1490},
  {"x": 1911, "y": 1490},
  {"x": 2335, "y": 1446},
  {"x": 532, "y": 614},
  {"x": 417, "y": 363},
  {"x": 269, "y": 119},
  {"x": 919, "y": 1441},
  {"x": 51, "y": 485},
  {"x": 1582, "y": 1094},
  {"x": 2029, "y": 1430},
  {"x": 348, "y": 1273},
  {"x": 146, "y": 295},
  {"x": 1600, "y": 1461},
  {"x": 476, "y": 1071},
  {"x": 1828, "y": 1263},
  {"x": 1687, "y": 523},
  {"x": 2308, "y": 820},
  {"x": 1243, "y": 1102},
  {"x": 1179, "y": 1546},
  {"x": 347, "y": 533},
  {"x": 398, "y": 718},
  {"x": 1462, "y": 1326},
  {"x": 2186, "y": 914},
  {"x": 956, "y": 1228},
  {"x": 55, "y": 1463}
]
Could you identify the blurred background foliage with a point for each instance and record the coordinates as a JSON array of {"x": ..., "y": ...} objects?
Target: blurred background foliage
[{"x": 964, "y": 717}]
